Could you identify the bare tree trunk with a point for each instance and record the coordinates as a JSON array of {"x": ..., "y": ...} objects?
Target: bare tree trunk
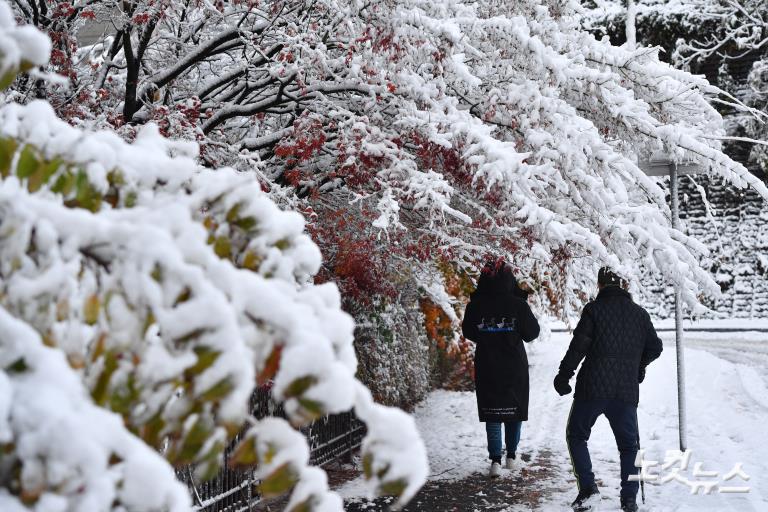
[{"x": 132, "y": 77}]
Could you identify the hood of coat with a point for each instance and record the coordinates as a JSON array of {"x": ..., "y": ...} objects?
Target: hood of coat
[{"x": 502, "y": 282}]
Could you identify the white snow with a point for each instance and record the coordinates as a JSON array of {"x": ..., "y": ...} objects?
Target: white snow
[
  {"x": 727, "y": 412},
  {"x": 20, "y": 45},
  {"x": 73, "y": 454},
  {"x": 396, "y": 451}
]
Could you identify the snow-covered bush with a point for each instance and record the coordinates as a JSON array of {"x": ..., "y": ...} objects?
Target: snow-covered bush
[
  {"x": 62, "y": 452},
  {"x": 172, "y": 290}
]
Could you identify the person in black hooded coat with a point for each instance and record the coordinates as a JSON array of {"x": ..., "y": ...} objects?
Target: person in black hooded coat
[{"x": 498, "y": 319}]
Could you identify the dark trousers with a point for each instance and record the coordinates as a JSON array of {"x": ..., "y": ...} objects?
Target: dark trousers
[
  {"x": 623, "y": 420},
  {"x": 511, "y": 437}
]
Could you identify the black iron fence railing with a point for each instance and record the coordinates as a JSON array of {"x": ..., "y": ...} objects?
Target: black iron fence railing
[{"x": 330, "y": 438}]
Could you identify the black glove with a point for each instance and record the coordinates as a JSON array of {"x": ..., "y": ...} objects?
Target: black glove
[
  {"x": 641, "y": 375},
  {"x": 561, "y": 384}
]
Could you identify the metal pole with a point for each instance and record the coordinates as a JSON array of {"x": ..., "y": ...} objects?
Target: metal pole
[
  {"x": 642, "y": 481},
  {"x": 630, "y": 25},
  {"x": 678, "y": 316}
]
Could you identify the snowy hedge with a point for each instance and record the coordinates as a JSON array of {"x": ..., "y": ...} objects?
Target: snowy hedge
[{"x": 171, "y": 291}]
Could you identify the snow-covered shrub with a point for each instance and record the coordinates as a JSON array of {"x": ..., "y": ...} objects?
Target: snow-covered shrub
[
  {"x": 172, "y": 290},
  {"x": 393, "y": 354},
  {"x": 63, "y": 452}
]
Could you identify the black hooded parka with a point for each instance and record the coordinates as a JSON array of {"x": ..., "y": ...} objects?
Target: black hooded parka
[{"x": 498, "y": 319}]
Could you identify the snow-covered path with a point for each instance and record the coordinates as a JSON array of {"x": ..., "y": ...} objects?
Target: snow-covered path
[{"x": 728, "y": 414}]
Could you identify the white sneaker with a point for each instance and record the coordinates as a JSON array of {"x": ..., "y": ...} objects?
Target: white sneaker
[
  {"x": 511, "y": 463},
  {"x": 495, "y": 470}
]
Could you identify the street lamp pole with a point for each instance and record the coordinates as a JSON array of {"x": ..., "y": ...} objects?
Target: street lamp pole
[
  {"x": 629, "y": 26},
  {"x": 661, "y": 165},
  {"x": 675, "y": 199}
]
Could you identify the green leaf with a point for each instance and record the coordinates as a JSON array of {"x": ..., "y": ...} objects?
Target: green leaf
[
  {"x": 157, "y": 273},
  {"x": 28, "y": 162},
  {"x": 124, "y": 397},
  {"x": 18, "y": 366},
  {"x": 300, "y": 385},
  {"x": 86, "y": 194},
  {"x": 7, "y": 150},
  {"x": 311, "y": 409},
  {"x": 233, "y": 213},
  {"x": 193, "y": 443},
  {"x": 208, "y": 465},
  {"x": 217, "y": 391},
  {"x": 279, "y": 481},
  {"x": 251, "y": 260},
  {"x": 26, "y": 66},
  {"x": 130, "y": 199},
  {"x": 368, "y": 465},
  {"x": 150, "y": 431},
  {"x": 91, "y": 309},
  {"x": 191, "y": 335},
  {"x": 7, "y": 79},
  {"x": 222, "y": 247},
  {"x": 149, "y": 321},
  {"x": 205, "y": 358},
  {"x": 43, "y": 173},
  {"x": 184, "y": 296},
  {"x": 64, "y": 183},
  {"x": 381, "y": 473},
  {"x": 244, "y": 454},
  {"x": 100, "y": 391},
  {"x": 115, "y": 177},
  {"x": 393, "y": 487},
  {"x": 269, "y": 455},
  {"x": 245, "y": 223}
]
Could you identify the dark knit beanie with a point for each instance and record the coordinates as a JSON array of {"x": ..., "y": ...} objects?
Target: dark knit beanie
[{"x": 607, "y": 277}]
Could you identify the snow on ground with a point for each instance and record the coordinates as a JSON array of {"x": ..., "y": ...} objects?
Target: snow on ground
[{"x": 727, "y": 396}]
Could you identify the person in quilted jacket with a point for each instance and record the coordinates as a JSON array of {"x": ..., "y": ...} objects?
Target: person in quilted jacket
[
  {"x": 616, "y": 339},
  {"x": 498, "y": 319}
]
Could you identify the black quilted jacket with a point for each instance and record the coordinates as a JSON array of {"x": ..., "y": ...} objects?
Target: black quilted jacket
[{"x": 616, "y": 339}]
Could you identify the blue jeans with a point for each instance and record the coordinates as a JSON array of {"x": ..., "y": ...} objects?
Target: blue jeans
[
  {"x": 623, "y": 419},
  {"x": 511, "y": 438}
]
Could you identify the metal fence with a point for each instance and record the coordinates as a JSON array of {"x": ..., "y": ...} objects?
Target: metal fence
[{"x": 330, "y": 438}]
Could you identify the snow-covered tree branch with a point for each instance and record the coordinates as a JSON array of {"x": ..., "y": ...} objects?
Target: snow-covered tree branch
[
  {"x": 724, "y": 39},
  {"x": 504, "y": 117}
]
